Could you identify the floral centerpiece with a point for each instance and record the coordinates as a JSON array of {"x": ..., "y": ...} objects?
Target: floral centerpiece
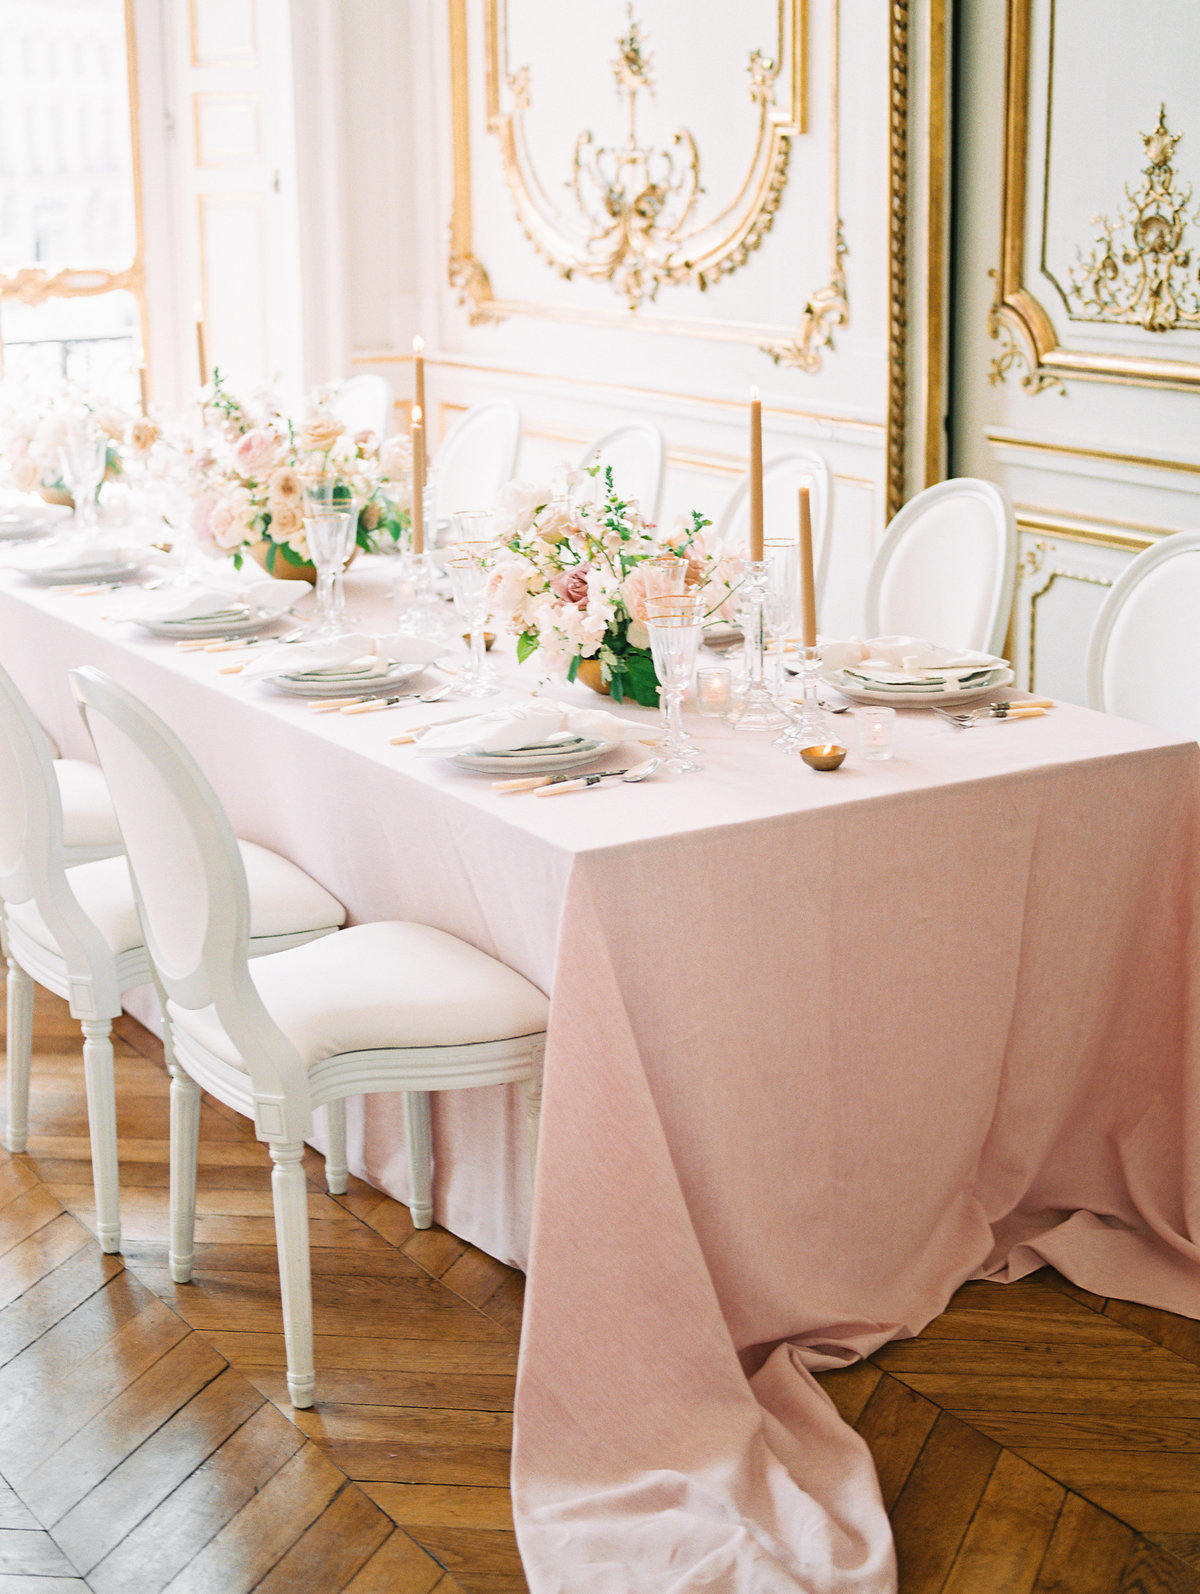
[
  {"x": 34, "y": 424},
  {"x": 247, "y": 471},
  {"x": 575, "y": 581}
]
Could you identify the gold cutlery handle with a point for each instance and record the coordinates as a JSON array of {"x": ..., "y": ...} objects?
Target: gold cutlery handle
[
  {"x": 528, "y": 783},
  {"x": 367, "y": 708},
  {"x": 560, "y": 787},
  {"x": 1026, "y": 711}
]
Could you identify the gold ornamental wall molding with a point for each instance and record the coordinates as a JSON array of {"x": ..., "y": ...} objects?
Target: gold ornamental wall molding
[
  {"x": 1139, "y": 271},
  {"x": 1019, "y": 319},
  {"x": 825, "y": 307},
  {"x": 635, "y": 221}
]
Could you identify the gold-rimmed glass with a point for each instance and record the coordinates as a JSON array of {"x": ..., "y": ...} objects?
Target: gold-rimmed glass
[{"x": 675, "y": 623}]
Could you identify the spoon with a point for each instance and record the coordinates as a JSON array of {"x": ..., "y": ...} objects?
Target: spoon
[{"x": 552, "y": 786}]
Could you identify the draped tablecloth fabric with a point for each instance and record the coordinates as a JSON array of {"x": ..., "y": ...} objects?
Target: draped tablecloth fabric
[{"x": 821, "y": 1048}]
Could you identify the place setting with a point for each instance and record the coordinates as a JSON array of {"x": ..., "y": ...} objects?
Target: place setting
[{"x": 539, "y": 738}]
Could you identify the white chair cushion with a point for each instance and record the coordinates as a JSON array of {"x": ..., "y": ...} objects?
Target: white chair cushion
[
  {"x": 377, "y": 987},
  {"x": 283, "y": 901},
  {"x": 88, "y": 818}
]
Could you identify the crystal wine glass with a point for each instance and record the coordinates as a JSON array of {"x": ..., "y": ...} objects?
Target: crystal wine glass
[
  {"x": 675, "y": 625},
  {"x": 469, "y": 566},
  {"x": 330, "y": 534},
  {"x": 82, "y": 457}
]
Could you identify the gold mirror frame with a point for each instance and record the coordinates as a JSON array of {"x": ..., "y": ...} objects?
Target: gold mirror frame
[
  {"x": 33, "y": 285},
  {"x": 1017, "y": 316}
]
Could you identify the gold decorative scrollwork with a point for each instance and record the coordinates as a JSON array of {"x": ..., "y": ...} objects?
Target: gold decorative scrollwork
[
  {"x": 635, "y": 223},
  {"x": 1014, "y": 356},
  {"x": 827, "y": 308},
  {"x": 33, "y": 285},
  {"x": 1143, "y": 280}
]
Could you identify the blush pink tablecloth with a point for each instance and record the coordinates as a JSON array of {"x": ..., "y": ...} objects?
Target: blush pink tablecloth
[{"x": 821, "y": 1048}]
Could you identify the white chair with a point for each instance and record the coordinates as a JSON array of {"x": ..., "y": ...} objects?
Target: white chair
[
  {"x": 364, "y": 404},
  {"x": 380, "y": 1007},
  {"x": 476, "y": 457},
  {"x": 946, "y": 566},
  {"x": 635, "y": 453},
  {"x": 1145, "y": 645},
  {"x": 74, "y": 930},
  {"x": 782, "y": 479}
]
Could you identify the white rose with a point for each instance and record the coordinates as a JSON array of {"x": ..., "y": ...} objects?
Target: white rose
[{"x": 515, "y": 506}]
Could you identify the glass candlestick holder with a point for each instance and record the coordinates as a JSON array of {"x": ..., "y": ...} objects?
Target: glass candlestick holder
[
  {"x": 757, "y": 710},
  {"x": 809, "y": 727}
]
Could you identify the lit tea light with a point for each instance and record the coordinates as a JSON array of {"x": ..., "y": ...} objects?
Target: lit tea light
[{"x": 714, "y": 692}]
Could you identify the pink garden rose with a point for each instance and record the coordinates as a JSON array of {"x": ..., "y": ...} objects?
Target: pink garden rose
[
  {"x": 255, "y": 451},
  {"x": 26, "y": 473},
  {"x": 572, "y": 585},
  {"x": 642, "y": 582},
  {"x": 201, "y": 518}
]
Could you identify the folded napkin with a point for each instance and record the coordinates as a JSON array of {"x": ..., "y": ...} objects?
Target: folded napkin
[
  {"x": 260, "y": 596},
  {"x": 907, "y": 662},
  {"x": 503, "y": 730},
  {"x": 71, "y": 554},
  {"x": 334, "y": 655}
]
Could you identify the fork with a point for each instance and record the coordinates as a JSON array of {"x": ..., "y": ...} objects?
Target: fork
[{"x": 1030, "y": 708}]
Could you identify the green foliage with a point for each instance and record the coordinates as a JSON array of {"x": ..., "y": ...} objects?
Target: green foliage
[{"x": 527, "y": 643}]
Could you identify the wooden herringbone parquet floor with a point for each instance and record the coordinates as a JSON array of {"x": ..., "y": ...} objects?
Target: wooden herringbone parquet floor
[{"x": 1034, "y": 1440}]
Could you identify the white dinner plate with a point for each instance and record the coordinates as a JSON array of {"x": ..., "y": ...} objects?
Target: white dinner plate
[
  {"x": 1001, "y": 676},
  {"x": 204, "y": 627},
  {"x": 26, "y": 521},
  {"x": 84, "y": 571},
  {"x": 522, "y": 761},
  {"x": 343, "y": 683}
]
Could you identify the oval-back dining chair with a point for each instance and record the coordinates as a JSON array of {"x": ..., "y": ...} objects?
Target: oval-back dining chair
[
  {"x": 75, "y": 931},
  {"x": 380, "y": 1007},
  {"x": 782, "y": 479},
  {"x": 946, "y": 566},
  {"x": 1144, "y": 651},
  {"x": 476, "y": 457},
  {"x": 364, "y": 404},
  {"x": 635, "y": 453}
]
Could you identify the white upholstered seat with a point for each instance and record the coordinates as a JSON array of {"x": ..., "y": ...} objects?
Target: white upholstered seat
[
  {"x": 89, "y": 824},
  {"x": 364, "y": 404},
  {"x": 476, "y": 457},
  {"x": 284, "y": 902},
  {"x": 383, "y": 1007},
  {"x": 378, "y": 986}
]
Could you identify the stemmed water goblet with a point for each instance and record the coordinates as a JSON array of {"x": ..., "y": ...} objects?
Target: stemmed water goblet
[
  {"x": 675, "y": 625},
  {"x": 330, "y": 524},
  {"x": 82, "y": 458},
  {"x": 469, "y": 567}
]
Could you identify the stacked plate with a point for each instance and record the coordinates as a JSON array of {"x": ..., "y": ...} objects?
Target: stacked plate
[
  {"x": 238, "y": 619},
  {"x": 912, "y": 690},
  {"x": 85, "y": 568},
  {"x": 19, "y": 521},
  {"x": 539, "y": 758},
  {"x": 345, "y": 680}
]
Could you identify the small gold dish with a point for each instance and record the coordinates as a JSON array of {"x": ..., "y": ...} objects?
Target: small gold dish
[{"x": 827, "y": 755}]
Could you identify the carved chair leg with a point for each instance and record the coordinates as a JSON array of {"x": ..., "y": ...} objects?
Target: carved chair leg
[
  {"x": 290, "y": 1190},
  {"x": 185, "y": 1145},
  {"x": 20, "y": 1054},
  {"x": 337, "y": 1175},
  {"x": 419, "y": 1141},
  {"x": 102, "y": 1127}
]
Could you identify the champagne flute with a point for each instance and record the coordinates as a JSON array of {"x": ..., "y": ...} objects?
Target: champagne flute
[
  {"x": 469, "y": 567},
  {"x": 782, "y": 556},
  {"x": 675, "y": 624}
]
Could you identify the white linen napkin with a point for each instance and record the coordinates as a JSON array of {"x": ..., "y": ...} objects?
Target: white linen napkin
[
  {"x": 336, "y": 654},
  {"x": 898, "y": 660},
  {"x": 260, "y": 596},
  {"x": 502, "y": 730}
]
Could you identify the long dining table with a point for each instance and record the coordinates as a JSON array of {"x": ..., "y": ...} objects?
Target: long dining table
[{"x": 821, "y": 1048}]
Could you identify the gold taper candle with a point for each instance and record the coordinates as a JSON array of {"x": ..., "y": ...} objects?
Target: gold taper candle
[
  {"x": 201, "y": 351},
  {"x": 417, "y": 433},
  {"x": 808, "y": 585},
  {"x": 143, "y": 394},
  {"x": 756, "y": 476},
  {"x": 419, "y": 373}
]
